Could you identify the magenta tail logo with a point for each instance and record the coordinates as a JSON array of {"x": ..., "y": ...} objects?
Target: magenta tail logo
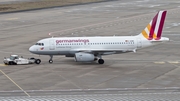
[{"x": 154, "y": 29}]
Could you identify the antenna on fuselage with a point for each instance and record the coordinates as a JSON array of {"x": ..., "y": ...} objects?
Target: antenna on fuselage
[{"x": 50, "y": 35}]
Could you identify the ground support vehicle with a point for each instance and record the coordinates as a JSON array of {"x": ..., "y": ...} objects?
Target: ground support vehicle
[{"x": 16, "y": 60}]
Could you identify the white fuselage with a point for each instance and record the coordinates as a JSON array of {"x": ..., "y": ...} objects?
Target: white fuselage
[{"x": 71, "y": 45}]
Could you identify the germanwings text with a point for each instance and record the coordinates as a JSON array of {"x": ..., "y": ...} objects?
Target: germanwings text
[{"x": 72, "y": 41}]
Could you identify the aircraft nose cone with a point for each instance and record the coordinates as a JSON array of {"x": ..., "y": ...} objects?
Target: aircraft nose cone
[{"x": 32, "y": 49}]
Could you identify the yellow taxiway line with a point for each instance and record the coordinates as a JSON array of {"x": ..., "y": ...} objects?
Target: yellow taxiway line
[
  {"x": 12, "y": 19},
  {"x": 160, "y": 62},
  {"x": 173, "y": 62},
  {"x": 14, "y": 83},
  {"x": 2, "y": 65}
]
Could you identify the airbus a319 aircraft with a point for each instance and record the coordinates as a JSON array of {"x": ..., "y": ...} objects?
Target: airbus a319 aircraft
[{"x": 89, "y": 49}]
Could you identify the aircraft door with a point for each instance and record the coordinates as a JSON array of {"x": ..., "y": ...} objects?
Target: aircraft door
[
  {"x": 139, "y": 43},
  {"x": 51, "y": 44}
]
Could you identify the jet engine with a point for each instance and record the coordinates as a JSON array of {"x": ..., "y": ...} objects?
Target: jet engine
[{"x": 84, "y": 57}]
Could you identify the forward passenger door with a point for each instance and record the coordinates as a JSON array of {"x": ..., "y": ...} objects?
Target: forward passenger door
[{"x": 51, "y": 44}]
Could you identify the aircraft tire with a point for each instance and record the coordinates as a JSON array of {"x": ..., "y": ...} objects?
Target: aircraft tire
[
  {"x": 101, "y": 61},
  {"x": 50, "y": 61}
]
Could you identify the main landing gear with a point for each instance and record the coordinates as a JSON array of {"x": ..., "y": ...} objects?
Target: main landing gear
[
  {"x": 50, "y": 60},
  {"x": 100, "y": 60}
]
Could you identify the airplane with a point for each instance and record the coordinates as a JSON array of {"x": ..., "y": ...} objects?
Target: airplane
[{"x": 89, "y": 49}]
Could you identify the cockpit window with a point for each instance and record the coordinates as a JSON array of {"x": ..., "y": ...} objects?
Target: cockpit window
[{"x": 40, "y": 44}]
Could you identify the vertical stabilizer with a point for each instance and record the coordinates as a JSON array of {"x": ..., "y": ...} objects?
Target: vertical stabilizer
[{"x": 154, "y": 29}]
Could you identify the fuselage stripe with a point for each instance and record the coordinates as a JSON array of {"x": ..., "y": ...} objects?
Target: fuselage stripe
[
  {"x": 161, "y": 25},
  {"x": 153, "y": 27},
  {"x": 148, "y": 27},
  {"x": 145, "y": 34}
]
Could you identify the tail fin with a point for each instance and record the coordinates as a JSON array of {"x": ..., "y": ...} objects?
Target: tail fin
[{"x": 154, "y": 29}]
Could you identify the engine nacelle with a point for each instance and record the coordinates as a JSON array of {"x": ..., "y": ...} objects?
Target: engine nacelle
[{"x": 84, "y": 57}]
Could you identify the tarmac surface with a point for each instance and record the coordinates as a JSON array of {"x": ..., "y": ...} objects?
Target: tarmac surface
[
  {"x": 98, "y": 95},
  {"x": 154, "y": 67},
  {"x": 15, "y": 1}
]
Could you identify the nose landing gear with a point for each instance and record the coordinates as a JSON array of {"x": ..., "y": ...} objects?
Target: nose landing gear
[
  {"x": 100, "y": 60},
  {"x": 50, "y": 60}
]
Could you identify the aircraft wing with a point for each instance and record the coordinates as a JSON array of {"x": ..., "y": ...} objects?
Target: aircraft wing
[{"x": 104, "y": 51}]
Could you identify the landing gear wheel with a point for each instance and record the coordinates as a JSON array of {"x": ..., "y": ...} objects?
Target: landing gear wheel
[
  {"x": 37, "y": 61},
  {"x": 101, "y": 61},
  {"x": 50, "y": 61}
]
